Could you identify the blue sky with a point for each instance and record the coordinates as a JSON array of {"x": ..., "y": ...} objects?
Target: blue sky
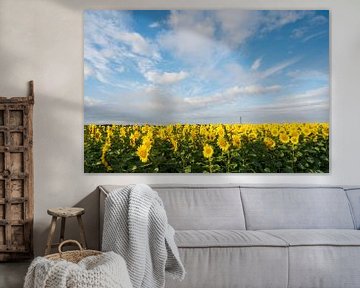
[{"x": 206, "y": 66}]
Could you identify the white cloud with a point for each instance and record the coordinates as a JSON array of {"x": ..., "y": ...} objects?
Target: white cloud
[
  {"x": 313, "y": 93},
  {"x": 313, "y": 21},
  {"x": 315, "y": 35},
  {"x": 310, "y": 99},
  {"x": 110, "y": 45},
  {"x": 91, "y": 102},
  {"x": 276, "y": 68},
  {"x": 154, "y": 25},
  {"x": 232, "y": 27},
  {"x": 256, "y": 64},
  {"x": 139, "y": 45},
  {"x": 276, "y": 19},
  {"x": 99, "y": 50},
  {"x": 150, "y": 105},
  {"x": 314, "y": 99},
  {"x": 160, "y": 106},
  {"x": 120, "y": 68},
  {"x": 318, "y": 20},
  {"x": 292, "y": 106},
  {"x": 165, "y": 77},
  {"x": 308, "y": 75},
  {"x": 191, "y": 40},
  {"x": 299, "y": 32},
  {"x": 87, "y": 71},
  {"x": 254, "y": 89},
  {"x": 308, "y": 106},
  {"x": 191, "y": 47},
  {"x": 230, "y": 94},
  {"x": 203, "y": 41},
  {"x": 237, "y": 26},
  {"x": 96, "y": 64},
  {"x": 199, "y": 22}
]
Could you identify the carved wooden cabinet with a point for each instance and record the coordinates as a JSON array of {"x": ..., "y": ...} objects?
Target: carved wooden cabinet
[{"x": 16, "y": 177}]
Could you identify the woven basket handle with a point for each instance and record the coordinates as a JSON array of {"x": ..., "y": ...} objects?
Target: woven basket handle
[{"x": 69, "y": 241}]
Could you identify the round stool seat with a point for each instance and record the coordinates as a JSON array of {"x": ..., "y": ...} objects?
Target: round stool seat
[{"x": 66, "y": 211}]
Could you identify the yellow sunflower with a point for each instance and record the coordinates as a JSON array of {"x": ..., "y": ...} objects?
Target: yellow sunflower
[
  {"x": 223, "y": 144},
  {"x": 147, "y": 142},
  {"x": 294, "y": 140},
  {"x": 143, "y": 153},
  {"x": 274, "y": 132},
  {"x": 174, "y": 144},
  {"x": 325, "y": 131},
  {"x": 270, "y": 143},
  {"x": 236, "y": 141},
  {"x": 208, "y": 151},
  {"x": 306, "y": 131},
  {"x": 284, "y": 138}
]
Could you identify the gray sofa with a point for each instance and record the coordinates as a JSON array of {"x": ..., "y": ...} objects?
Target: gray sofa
[{"x": 246, "y": 236}]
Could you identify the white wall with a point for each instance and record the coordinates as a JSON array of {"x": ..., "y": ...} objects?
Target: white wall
[{"x": 42, "y": 40}]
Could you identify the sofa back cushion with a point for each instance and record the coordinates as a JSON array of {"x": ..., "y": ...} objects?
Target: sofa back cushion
[
  {"x": 296, "y": 208},
  {"x": 354, "y": 198},
  {"x": 202, "y": 207}
]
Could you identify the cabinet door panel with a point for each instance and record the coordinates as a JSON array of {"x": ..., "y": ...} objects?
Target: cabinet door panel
[{"x": 16, "y": 184}]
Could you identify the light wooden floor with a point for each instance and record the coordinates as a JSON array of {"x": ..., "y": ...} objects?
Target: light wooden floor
[{"x": 12, "y": 274}]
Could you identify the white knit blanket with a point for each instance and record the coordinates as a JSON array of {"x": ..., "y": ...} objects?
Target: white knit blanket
[
  {"x": 136, "y": 227},
  {"x": 103, "y": 271}
]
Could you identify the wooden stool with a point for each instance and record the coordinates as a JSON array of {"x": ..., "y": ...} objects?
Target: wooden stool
[{"x": 64, "y": 213}]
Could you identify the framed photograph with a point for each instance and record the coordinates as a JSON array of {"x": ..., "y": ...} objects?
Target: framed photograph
[{"x": 206, "y": 91}]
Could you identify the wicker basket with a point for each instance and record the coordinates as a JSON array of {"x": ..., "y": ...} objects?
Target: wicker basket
[{"x": 72, "y": 256}]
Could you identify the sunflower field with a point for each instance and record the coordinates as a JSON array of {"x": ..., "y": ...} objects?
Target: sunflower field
[{"x": 207, "y": 148}]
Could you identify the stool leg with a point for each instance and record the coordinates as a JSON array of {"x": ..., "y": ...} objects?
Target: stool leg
[
  {"x": 62, "y": 231},
  {"x": 51, "y": 235},
  {"x": 82, "y": 232}
]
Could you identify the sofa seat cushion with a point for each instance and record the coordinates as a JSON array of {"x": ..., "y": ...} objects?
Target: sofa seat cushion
[
  {"x": 233, "y": 267},
  {"x": 317, "y": 237},
  {"x": 225, "y": 238},
  {"x": 322, "y": 258}
]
